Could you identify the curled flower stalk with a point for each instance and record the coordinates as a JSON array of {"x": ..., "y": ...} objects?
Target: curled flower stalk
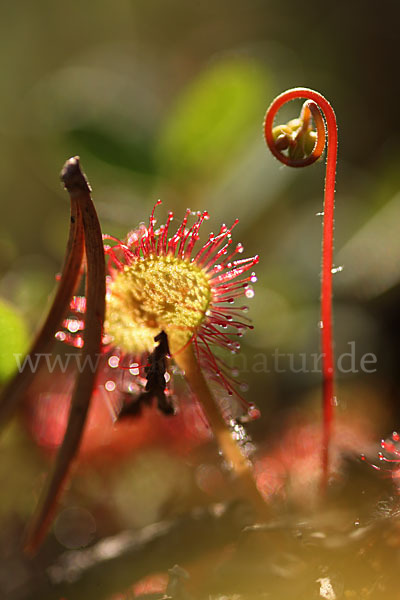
[{"x": 297, "y": 145}]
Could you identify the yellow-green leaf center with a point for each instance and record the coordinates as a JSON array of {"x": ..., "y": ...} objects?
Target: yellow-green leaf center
[{"x": 153, "y": 294}]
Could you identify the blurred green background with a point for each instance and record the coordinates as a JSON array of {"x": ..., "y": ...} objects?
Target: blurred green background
[{"x": 166, "y": 100}]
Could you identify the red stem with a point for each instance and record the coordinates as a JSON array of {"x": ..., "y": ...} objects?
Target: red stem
[{"x": 317, "y": 101}]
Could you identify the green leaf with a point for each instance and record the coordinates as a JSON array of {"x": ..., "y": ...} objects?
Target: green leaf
[
  {"x": 212, "y": 119},
  {"x": 135, "y": 154},
  {"x": 13, "y": 339}
]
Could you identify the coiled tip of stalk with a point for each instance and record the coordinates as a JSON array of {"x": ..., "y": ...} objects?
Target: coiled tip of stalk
[
  {"x": 290, "y": 144},
  {"x": 295, "y": 143}
]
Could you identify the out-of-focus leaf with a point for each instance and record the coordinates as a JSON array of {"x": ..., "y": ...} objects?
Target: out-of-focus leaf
[
  {"x": 27, "y": 285},
  {"x": 212, "y": 118},
  {"x": 248, "y": 188},
  {"x": 135, "y": 154},
  {"x": 13, "y": 339},
  {"x": 21, "y": 468}
]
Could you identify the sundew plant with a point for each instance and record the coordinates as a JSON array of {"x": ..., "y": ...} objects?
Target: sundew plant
[
  {"x": 163, "y": 297},
  {"x": 168, "y": 302}
]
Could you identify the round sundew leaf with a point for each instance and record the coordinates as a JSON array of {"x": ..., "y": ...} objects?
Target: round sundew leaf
[
  {"x": 212, "y": 118},
  {"x": 13, "y": 339}
]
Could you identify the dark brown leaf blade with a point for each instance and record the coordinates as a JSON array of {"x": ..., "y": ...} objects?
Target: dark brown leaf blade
[{"x": 79, "y": 190}]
